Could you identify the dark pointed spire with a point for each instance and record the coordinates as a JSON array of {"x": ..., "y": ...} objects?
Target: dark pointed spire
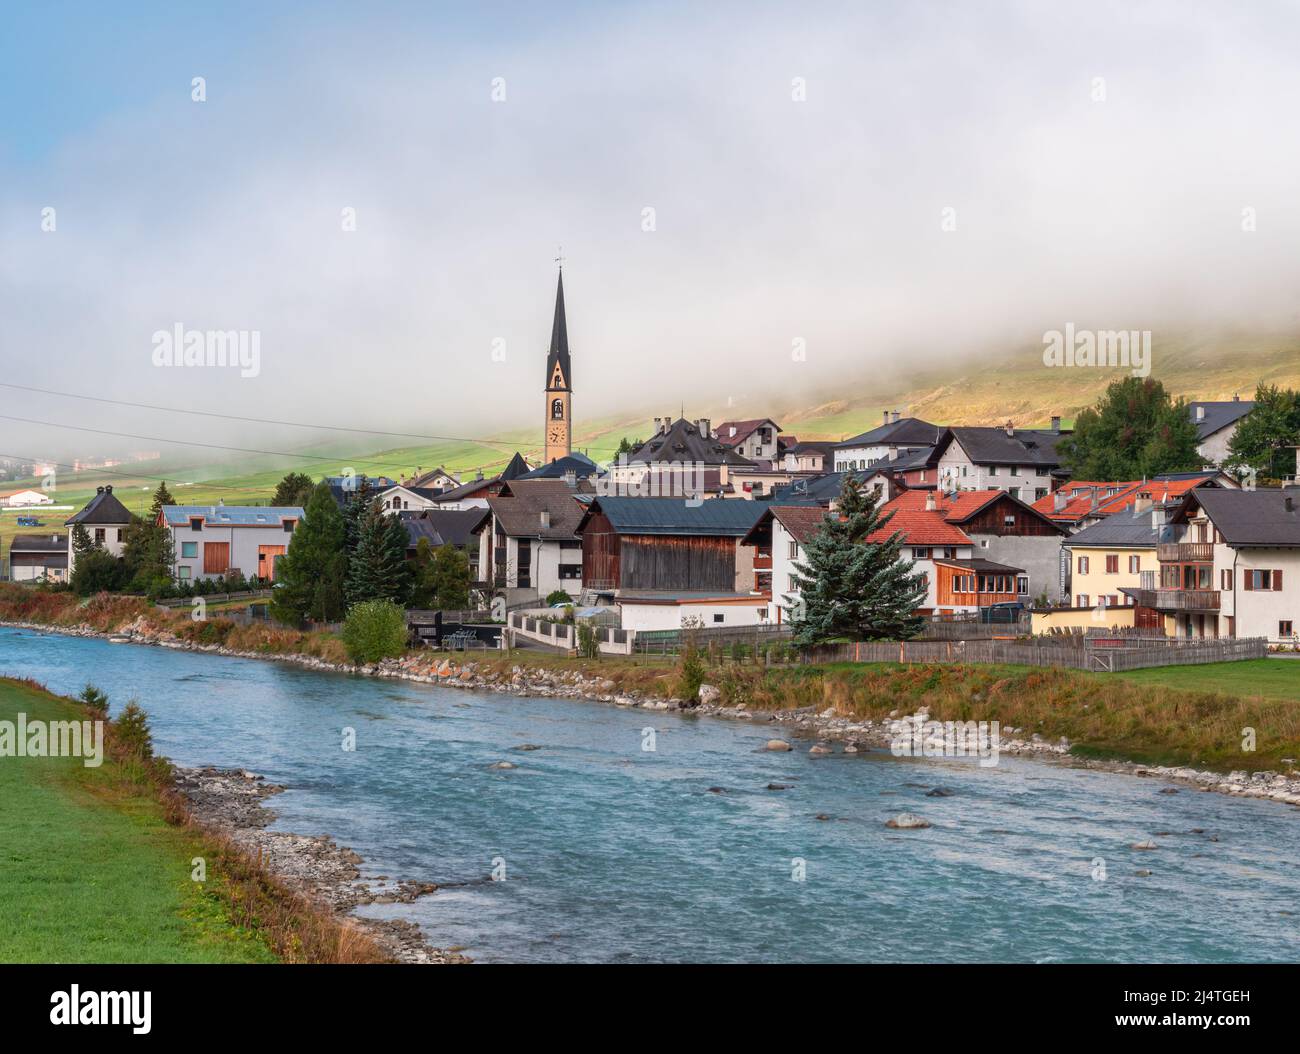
[{"x": 559, "y": 352}]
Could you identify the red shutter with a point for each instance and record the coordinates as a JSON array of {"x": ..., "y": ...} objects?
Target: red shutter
[
  {"x": 1245, "y": 580},
  {"x": 1277, "y": 580}
]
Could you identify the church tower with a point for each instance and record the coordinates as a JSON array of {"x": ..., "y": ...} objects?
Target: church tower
[{"x": 559, "y": 385}]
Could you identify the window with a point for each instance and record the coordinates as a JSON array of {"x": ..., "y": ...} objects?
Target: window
[
  {"x": 1083, "y": 570},
  {"x": 189, "y": 551},
  {"x": 1015, "y": 470},
  {"x": 921, "y": 553},
  {"x": 1225, "y": 579},
  {"x": 100, "y": 534},
  {"x": 1268, "y": 580},
  {"x": 1009, "y": 520},
  {"x": 1134, "y": 564},
  {"x": 183, "y": 571},
  {"x": 1022, "y": 585},
  {"x": 1081, "y": 601},
  {"x": 120, "y": 534},
  {"x": 1040, "y": 493},
  {"x": 570, "y": 570},
  {"x": 993, "y": 470},
  {"x": 1284, "y": 628},
  {"x": 790, "y": 584},
  {"x": 718, "y": 617},
  {"x": 289, "y": 525},
  {"x": 1112, "y": 564},
  {"x": 950, "y": 552},
  {"x": 794, "y": 549}
]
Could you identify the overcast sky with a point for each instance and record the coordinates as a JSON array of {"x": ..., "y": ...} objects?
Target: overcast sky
[{"x": 1097, "y": 159}]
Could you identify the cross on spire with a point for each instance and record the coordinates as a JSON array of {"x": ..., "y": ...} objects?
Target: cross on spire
[{"x": 559, "y": 256}]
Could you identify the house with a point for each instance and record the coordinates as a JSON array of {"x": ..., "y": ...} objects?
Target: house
[
  {"x": 404, "y": 498},
  {"x": 1109, "y": 559},
  {"x": 667, "y": 546},
  {"x": 778, "y": 538},
  {"x": 812, "y": 457},
  {"x": 105, "y": 520},
  {"x": 1216, "y": 423},
  {"x": 26, "y": 499},
  {"x": 213, "y": 540},
  {"x": 345, "y": 488},
  {"x": 1019, "y": 461},
  {"x": 682, "y": 459},
  {"x": 579, "y": 466},
  {"x": 817, "y": 490},
  {"x": 38, "y": 557},
  {"x": 435, "y": 479},
  {"x": 530, "y": 542},
  {"x": 757, "y": 439},
  {"x": 1233, "y": 568},
  {"x": 441, "y": 527},
  {"x": 863, "y": 451},
  {"x": 474, "y": 494}
]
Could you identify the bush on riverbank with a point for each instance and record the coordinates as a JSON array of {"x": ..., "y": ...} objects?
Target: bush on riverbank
[{"x": 374, "y": 630}]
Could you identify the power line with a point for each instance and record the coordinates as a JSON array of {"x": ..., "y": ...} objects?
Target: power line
[
  {"x": 213, "y": 446},
  {"x": 254, "y": 420}
]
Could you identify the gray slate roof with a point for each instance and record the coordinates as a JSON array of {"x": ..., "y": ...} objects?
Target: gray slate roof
[
  {"x": 39, "y": 543},
  {"x": 102, "y": 508},
  {"x": 817, "y": 490},
  {"x": 442, "y": 526},
  {"x": 911, "y": 431},
  {"x": 579, "y": 464},
  {"x": 729, "y": 517},
  {"x": 992, "y": 446},
  {"x": 1124, "y": 529},
  {"x": 1219, "y": 415},
  {"x": 683, "y": 442},
  {"x": 1250, "y": 517}
]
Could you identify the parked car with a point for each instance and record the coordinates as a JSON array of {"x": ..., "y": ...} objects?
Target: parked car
[
  {"x": 30, "y": 521},
  {"x": 999, "y": 613}
]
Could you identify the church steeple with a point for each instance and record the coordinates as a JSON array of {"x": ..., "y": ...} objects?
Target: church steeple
[
  {"x": 559, "y": 353},
  {"x": 558, "y": 434}
]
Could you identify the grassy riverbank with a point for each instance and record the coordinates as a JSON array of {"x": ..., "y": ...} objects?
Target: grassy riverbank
[{"x": 96, "y": 865}]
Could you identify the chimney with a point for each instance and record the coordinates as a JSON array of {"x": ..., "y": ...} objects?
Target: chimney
[
  {"x": 659, "y": 425},
  {"x": 1236, "y": 398},
  {"x": 99, "y": 490},
  {"x": 1059, "y": 501},
  {"x": 896, "y": 416},
  {"x": 545, "y": 517},
  {"x": 1092, "y": 499},
  {"x": 929, "y": 502},
  {"x": 1056, "y": 423},
  {"x": 1141, "y": 504},
  {"x": 108, "y": 489},
  {"x": 478, "y": 474},
  {"x": 886, "y": 420},
  {"x": 668, "y": 423},
  {"x": 1011, "y": 429},
  {"x": 1289, "y": 502},
  {"x": 1200, "y": 413},
  {"x": 703, "y": 425}
]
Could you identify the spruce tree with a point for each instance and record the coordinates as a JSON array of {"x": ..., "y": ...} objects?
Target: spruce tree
[
  {"x": 295, "y": 489},
  {"x": 81, "y": 540},
  {"x": 853, "y": 582},
  {"x": 310, "y": 576},
  {"x": 162, "y": 496},
  {"x": 377, "y": 568}
]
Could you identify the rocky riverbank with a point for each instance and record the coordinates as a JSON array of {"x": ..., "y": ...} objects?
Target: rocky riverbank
[
  {"x": 232, "y": 801},
  {"x": 829, "y": 731}
]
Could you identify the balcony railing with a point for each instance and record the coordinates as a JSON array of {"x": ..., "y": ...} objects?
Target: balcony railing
[
  {"x": 1185, "y": 552},
  {"x": 1179, "y": 599}
]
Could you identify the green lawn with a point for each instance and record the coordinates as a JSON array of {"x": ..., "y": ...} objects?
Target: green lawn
[
  {"x": 89, "y": 869},
  {"x": 1269, "y": 678}
]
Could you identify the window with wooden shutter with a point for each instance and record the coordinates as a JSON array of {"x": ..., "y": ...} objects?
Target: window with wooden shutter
[
  {"x": 216, "y": 558},
  {"x": 1112, "y": 564}
]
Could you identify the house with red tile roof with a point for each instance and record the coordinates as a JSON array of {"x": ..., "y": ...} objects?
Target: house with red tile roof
[{"x": 1081, "y": 503}]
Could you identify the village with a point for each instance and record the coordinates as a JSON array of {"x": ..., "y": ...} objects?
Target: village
[{"x": 710, "y": 531}]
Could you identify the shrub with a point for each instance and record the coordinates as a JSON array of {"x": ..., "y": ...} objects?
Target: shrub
[
  {"x": 558, "y": 596},
  {"x": 374, "y": 630},
  {"x": 131, "y": 731},
  {"x": 588, "y": 645},
  {"x": 94, "y": 698},
  {"x": 690, "y": 673}
]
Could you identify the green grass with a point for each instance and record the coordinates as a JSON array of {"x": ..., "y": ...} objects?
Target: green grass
[
  {"x": 90, "y": 871},
  {"x": 1266, "y": 678}
]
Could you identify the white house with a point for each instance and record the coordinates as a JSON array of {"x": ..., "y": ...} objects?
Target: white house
[
  {"x": 1018, "y": 461},
  {"x": 529, "y": 547},
  {"x": 896, "y": 433},
  {"x": 212, "y": 540},
  {"x": 778, "y": 539},
  {"x": 1234, "y": 570},
  {"x": 401, "y": 498},
  {"x": 38, "y": 557},
  {"x": 105, "y": 520},
  {"x": 756, "y": 439},
  {"x": 27, "y": 498},
  {"x": 642, "y": 613},
  {"x": 1216, "y": 424}
]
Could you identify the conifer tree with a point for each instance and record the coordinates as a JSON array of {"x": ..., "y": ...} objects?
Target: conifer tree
[
  {"x": 377, "y": 568},
  {"x": 162, "y": 496},
  {"x": 853, "y": 582},
  {"x": 451, "y": 576},
  {"x": 310, "y": 576}
]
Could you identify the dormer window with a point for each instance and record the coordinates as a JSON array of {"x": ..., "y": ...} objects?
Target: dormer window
[{"x": 196, "y": 523}]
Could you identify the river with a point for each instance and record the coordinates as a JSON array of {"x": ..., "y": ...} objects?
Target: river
[{"x": 614, "y": 853}]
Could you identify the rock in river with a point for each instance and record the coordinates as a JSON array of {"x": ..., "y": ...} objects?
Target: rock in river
[
  {"x": 940, "y": 792},
  {"x": 906, "y": 821},
  {"x": 777, "y": 744},
  {"x": 503, "y": 765}
]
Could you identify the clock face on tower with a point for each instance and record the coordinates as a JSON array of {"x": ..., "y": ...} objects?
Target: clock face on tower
[{"x": 555, "y": 433}]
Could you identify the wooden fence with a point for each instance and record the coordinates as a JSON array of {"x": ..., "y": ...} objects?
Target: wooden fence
[
  {"x": 1106, "y": 654},
  {"x": 669, "y": 641}
]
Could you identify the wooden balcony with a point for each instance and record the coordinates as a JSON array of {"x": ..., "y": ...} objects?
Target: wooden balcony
[
  {"x": 762, "y": 559},
  {"x": 1178, "y": 599},
  {"x": 1185, "y": 552}
]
